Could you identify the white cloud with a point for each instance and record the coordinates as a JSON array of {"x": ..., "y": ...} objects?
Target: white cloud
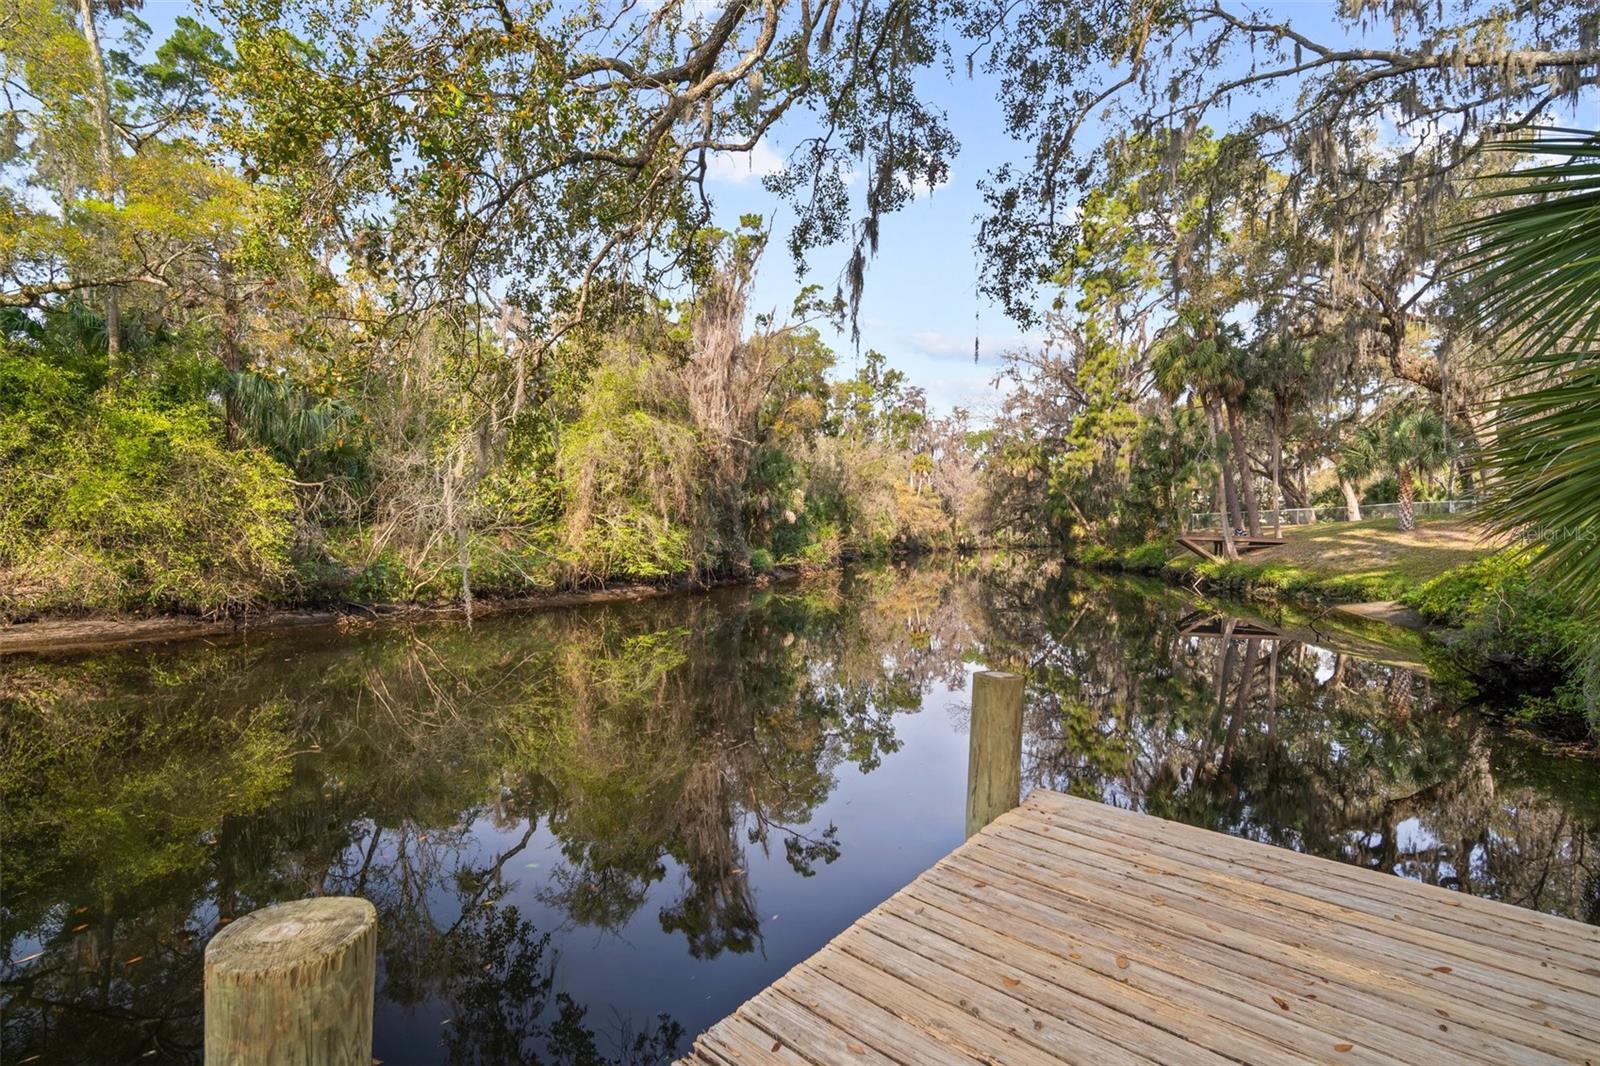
[
  {"x": 978, "y": 395},
  {"x": 937, "y": 345},
  {"x": 736, "y": 168},
  {"x": 921, "y": 188}
]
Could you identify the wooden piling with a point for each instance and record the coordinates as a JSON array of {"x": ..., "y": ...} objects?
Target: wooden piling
[
  {"x": 994, "y": 762},
  {"x": 293, "y": 984}
]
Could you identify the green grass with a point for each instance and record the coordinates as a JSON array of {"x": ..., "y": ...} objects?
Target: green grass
[
  {"x": 1333, "y": 562},
  {"x": 1350, "y": 562}
]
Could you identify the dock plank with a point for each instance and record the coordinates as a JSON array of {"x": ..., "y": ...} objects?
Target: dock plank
[
  {"x": 1193, "y": 862},
  {"x": 1220, "y": 949},
  {"x": 1331, "y": 875},
  {"x": 1095, "y": 952},
  {"x": 1073, "y": 932},
  {"x": 1437, "y": 959},
  {"x": 1201, "y": 874}
]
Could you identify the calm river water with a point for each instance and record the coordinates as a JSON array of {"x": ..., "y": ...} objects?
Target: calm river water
[{"x": 591, "y": 833}]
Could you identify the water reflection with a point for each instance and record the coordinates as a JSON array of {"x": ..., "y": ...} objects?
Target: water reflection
[
  {"x": 1249, "y": 728},
  {"x": 589, "y": 834}
]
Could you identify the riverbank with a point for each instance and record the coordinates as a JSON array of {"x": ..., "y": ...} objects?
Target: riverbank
[
  {"x": 79, "y": 635},
  {"x": 1525, "y": 652},
  {"x": 82, "y": 632}
]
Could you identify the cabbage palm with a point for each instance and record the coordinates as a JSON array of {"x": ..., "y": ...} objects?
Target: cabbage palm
[
  {"x": 1354, "y": 464},
  {"x": 1201, "y": 353},
  {"x": 1541, "y": 258},
  {"x": 1408, "y": 441},
  {"x": 280, "y": 416}
]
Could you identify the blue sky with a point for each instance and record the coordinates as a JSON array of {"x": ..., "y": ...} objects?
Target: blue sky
[{"x": 920, "y": 307}]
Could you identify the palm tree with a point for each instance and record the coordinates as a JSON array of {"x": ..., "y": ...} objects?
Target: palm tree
[
  {"x": 1286, "y": 368},
  {"x": 1200, "y": 353},
  {"x": 1540, "y": 261},
  {"x": 1409, "y": 441},
  {"x": 1354, "y": 464}
]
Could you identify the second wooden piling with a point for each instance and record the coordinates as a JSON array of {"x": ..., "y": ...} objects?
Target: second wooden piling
[{"x": 994, "y": 762}]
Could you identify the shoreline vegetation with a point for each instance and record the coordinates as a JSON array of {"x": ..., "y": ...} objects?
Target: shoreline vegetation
[
  {"x": 1485, "y": 625},
  {"x": 77, "y": 635},
  {"x": 1522, "y": 650}
]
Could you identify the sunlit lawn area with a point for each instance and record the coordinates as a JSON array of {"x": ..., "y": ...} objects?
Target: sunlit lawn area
[
  {"x": 1358, "y": 560},
  {"x": 1376, "y": 546}
]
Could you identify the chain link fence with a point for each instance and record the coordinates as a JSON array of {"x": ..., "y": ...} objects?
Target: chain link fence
[{"x": 1304, "y": 516}]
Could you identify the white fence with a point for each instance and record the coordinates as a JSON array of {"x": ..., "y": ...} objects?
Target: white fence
[{"x": 1304, "y": 516}]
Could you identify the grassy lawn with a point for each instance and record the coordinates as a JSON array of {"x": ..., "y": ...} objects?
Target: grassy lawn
[{"x": 1351, "y": 561}]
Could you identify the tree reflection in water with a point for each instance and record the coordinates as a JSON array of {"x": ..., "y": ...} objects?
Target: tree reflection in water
[
  {"x": 1226, "y": 726},
  {"x": 659, "y": 751}
]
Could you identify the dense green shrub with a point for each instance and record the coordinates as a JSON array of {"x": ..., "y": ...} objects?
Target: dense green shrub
[
  {"x": 1457, "y": 596},
  {"x": 1097, "y": 555},
  {"x": 634, "y": 545},
  {"x": 1527, "y": 647},
  {"x": 128, "y": 498},
  {"x": 631, "y": 472},
  {"x": 383, "y": 579},
  {"x": 139, "y": 506},
  {"x": 1149, "y": 558}
]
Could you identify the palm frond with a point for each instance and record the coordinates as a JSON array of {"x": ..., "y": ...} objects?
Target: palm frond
[
  {"x": 283, "y": 417},
  {"x": 1540, "y": 260},
  {"x": 1540, "y": 257}
]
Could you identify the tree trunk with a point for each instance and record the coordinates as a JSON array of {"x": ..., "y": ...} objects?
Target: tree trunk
[
  {"x": 455, "y": 520},
  {"x": 1241, "y": 705},
  {"x": 1397, "y": 694},
  {"x": 1408, "y": 509},
  {"x": 1352, "y": 500},
  {"x": 1336, "y": 678},
  {"x": 1292, "y": 496},
  {"x": 232, "y": 354},
  {"x": 1247, "y": 484},
  {"x": 1277, "y": 478},
  {"x": 108, "y": 177},
  {"x": 1224, "y": 489},
  {"x": 1235, "y": 516},
  {"x": 1231, "y": 519}
]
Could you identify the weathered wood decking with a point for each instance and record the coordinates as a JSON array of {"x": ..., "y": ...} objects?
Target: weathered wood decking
[{"x": 1068, "y": 931}]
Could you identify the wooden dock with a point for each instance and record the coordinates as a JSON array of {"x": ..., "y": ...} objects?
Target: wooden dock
[
  {"x": 1072, "y": 932},
  {"x": 1209, "y": 545}
]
